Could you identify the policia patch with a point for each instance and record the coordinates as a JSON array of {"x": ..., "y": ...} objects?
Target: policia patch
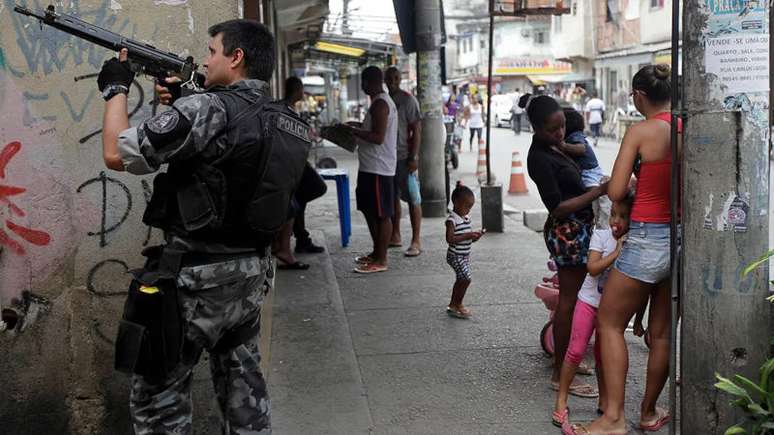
[
  {"x": 166, "y": 127},
  {"x": 294, "y": 127},
  {"x": 164, "y": 122}
]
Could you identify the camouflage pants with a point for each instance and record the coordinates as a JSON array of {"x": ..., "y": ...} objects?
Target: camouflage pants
[{"x": 211, "y": 310}]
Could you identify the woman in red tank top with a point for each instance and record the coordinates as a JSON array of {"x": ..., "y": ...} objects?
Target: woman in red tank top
[{"x": 642, "y": 270}]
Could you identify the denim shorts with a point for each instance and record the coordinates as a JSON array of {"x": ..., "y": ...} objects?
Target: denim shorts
[{"x": 645, "y": 253}]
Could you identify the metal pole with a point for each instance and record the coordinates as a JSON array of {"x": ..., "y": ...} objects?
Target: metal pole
[
  {"x": 489, "y": 93},
  {"x": 675, "y": 195}
]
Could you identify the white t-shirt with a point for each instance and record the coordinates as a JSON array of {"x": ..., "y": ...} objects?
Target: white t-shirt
[
  {"x": 476, "y": 116},
  {"x": 380, "y": 159},
  {"x": 595, "y": 108},
  {"x": 601, "y": 241}
]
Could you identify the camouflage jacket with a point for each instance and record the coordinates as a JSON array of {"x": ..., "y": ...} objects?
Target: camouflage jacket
[{"x": 194, "y": 126}]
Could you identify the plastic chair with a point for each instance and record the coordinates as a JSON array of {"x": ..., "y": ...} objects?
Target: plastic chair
[{"x": 341, "y": 177}]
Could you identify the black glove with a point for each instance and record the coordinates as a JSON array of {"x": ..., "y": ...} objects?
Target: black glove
[{"x": 115, "y": 73}]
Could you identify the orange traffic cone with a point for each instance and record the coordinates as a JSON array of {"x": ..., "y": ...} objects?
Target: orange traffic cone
[
  {"x": 481, "y": 167},
  {"x": 518, "y": 183}
]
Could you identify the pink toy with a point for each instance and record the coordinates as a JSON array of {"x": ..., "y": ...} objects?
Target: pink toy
[{"x": 548, "y": 292}]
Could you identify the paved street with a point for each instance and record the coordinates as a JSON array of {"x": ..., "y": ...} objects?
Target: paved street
[{"x": 377, "y": 354}]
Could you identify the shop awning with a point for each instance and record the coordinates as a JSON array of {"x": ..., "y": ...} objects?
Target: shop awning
[
  {"x": 339, "y": 49},
  {"x": 544, "y": 79}
]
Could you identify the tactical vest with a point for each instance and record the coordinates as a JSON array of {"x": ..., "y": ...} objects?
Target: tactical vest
[{"x": 242, "y": 198}]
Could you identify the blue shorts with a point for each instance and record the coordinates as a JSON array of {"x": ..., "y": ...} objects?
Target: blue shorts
[{"x": 645, "y": 253}]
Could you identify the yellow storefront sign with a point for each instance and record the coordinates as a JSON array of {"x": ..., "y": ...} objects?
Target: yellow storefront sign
[{"x": 526, "y": 66}]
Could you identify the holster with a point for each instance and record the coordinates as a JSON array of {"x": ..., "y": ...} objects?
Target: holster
[{"x": 151, "y": 333}]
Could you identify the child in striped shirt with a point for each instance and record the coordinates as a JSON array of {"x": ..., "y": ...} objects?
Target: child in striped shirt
[{"x": 460, "y": 236}]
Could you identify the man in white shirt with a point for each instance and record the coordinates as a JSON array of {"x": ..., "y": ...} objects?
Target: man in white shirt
[
  {"x": 377, "y": 155},
  {"x": 595, "y": 115}
]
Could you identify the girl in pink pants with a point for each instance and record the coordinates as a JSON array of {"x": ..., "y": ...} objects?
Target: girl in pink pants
[{"x": 603, "y": 250}]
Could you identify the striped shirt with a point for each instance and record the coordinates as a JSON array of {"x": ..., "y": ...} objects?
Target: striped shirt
[{"x": 461, "y": 226}]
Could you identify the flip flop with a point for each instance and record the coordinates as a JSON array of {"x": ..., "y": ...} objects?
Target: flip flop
[
  {"x": 579, "y": 390},
  {"x": 575, "y": 429},
  {"x": 292, "y": 266},
  {"x": 559, "y": 419},
  {"x": 581, "y": 429},
  {"x": 413, "y": 252},
  {"x": 662, "y": 420},
  {"x": 364, "y": 259},
  {"x": 457, "y": 313},
  {"x": 394, "y": 245},
  {"x": 585, "y": 370},
  {"x": 370, "y": 268}
]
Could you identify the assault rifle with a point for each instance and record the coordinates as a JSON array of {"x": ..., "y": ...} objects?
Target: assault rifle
[{"x": 143, "y": 58}]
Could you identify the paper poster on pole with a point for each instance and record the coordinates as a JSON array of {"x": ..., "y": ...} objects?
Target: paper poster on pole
[{"x": 740, "y": 62}]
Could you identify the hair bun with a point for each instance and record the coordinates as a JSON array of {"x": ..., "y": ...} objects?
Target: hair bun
[
  {"x": 459, "y": 183},
  {"x": 663, "y": 71},
  {"x": 524, "y": 100}
]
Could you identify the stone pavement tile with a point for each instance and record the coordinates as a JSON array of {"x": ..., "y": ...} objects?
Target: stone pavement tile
[
  {"x": 431, "y": 329},
  {"x": 432, "y": 290},
  {"x": 468, "y": 391},
  {"x": 314, "y": 383}
]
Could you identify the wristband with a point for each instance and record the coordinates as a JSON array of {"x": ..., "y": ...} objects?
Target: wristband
[{"x": 113, "y": 90}]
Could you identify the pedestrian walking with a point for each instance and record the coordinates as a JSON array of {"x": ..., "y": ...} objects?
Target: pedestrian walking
[
  {"x": 642, "y": 270},
  {"x": 406, "y": 179},
  {"x": 595, "y": 115},
  {"x": 516, "y": 113},
  {"x": 474, "y": 117},
  {"x": 570, "y": 221},
  {"x": 604, "y": 248},
  {"x": 460, "y": 236},
  {"x": 209, "y": 280},
  {"x": 377, "y": 156}
]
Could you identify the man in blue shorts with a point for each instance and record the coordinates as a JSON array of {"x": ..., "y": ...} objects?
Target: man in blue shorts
[{"x": 375, "y": 194}]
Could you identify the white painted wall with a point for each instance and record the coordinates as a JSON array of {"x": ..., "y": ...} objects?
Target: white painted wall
[
  {"x": 655, "y": 23},
  {"x": 572, "y": 34}
]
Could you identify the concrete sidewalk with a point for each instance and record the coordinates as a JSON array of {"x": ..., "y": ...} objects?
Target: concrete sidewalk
[{"x": 355, "y": 354}]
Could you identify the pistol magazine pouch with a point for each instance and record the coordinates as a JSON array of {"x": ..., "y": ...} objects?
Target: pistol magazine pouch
[{"x": 151, "y": 333}]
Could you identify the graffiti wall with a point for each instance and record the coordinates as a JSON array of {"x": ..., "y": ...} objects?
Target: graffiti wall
[
  {"x": 63, "y": 216},
  {"x": 69, "y": 227}
]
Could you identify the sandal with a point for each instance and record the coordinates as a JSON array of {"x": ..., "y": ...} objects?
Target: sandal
[
  {"x": 582, "y": 429},
  {"x": 364, "y": 259},
  {"x": 560, "y": 418},
  {"x": 585, "y": 370},
  {"x": 368, "y": 268},
  {"x": 413, "y": 252},
  {"x": 662, "y": 419},
  {"x": 459, "y": 313},
  {"x": 579, "y": 390},
  {"x": 292, "y": 266}
]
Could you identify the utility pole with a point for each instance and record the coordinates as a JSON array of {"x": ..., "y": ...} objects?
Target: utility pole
[
  {"x": 345, "y": 30},
  {"x": 491, "y": 194},
  {"x": 432, "y": 160},
  {"x": 726, "y": 323}
]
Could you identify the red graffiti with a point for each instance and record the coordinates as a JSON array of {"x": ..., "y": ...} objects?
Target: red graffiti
[
  {"x": 6, "y": 155},
  {"x": 32, "y": 236}
]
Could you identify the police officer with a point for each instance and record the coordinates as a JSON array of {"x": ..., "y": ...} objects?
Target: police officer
[{"x": 221, "y": 281}]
